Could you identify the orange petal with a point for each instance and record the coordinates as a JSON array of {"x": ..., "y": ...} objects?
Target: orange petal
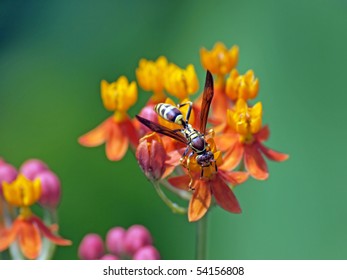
[
  {"x": 272, "y": 154},
  {"x": 7, "y": 236},
  {"x": 29, "y": 240},
  {"x": 224, "y": 196},
  {"x": 180, "y": 182},
  {"x": 97, "y": 136},
  {"x": 263, "y": 134},
  {"x": 200, "y": 201},
  {"x": 255, "y": 163},
  {"x": 233, "y": 157},
  {"x": 117, "y": 143},
  {"x": 219, "y": 105},
  {"x": 47, "y": 232},
  {"x": 129, "y": 129},
  {"x": 226, "y": 141},
  {"x": 234, "y": 178}
]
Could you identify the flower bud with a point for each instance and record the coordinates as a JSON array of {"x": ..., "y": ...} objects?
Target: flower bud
[
  {"x": 32, "y": 167},
  {"x": 151, "y": 156},
  {"x": 91, "y": 247},
  {"x": 115, "y": 240},
  {"x": 7, "y": 174},
  {"x": 50, "y": 189},
  {"x": 109, "y": 257},
  {"x": 147, "y": 253},
  {"x": 148, "y": 113},
  {"x": 137, "y": 237}
]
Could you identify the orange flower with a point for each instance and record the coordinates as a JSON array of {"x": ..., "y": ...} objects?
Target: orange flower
[
  {"x": 242, "y": 140},
  {"x": 150, "y": 76},
  {"x": 241, "y": 86},
  {"x": 28, "y": 232},
  {"x": 212, "y": 183},
  {"x": 117, "y": 131},
  {"x": 26, "y": 228}
]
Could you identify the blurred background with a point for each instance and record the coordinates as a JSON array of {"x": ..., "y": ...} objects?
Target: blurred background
[{"x": 53, "y": 55}]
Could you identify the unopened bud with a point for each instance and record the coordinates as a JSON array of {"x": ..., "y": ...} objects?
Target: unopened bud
[{"x": 50, "y": 189}]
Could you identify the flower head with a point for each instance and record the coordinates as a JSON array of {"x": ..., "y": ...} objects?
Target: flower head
[
  {"x": 241, "y": 86},
  {"x": 181, "y": 82},
  {"x": 219, "y": 60},
  {"x": 119, "y": 96},
  {"x": 244, "y": 120},
  {"x": 117, "y": 131},
  {"x": 242, "y": 139},
  {"x": 213, "y": 183},
  {"x": 22, "y": 192},
  {"x": 150, "y": 76}
]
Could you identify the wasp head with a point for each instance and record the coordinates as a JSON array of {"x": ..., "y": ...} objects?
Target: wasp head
[{"x": 205, "y": 159}]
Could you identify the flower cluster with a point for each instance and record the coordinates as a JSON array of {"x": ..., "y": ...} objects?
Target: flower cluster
[
  {"x": 134, "y": 243},
  {"x": 19, "y": 190},
  {"x": 232, "y": 145}
]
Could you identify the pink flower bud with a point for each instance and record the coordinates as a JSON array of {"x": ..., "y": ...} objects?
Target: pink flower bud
[
  {"x": 137, "y": 237},
  {"x": 151, "y": 156},
  {"x": 147, "y": 253},
  {"x": 50, "y": 189},
  {"x": 115, "y": 240},
  {"x": 148, "y": 113},
  {"x": 7, "y": 173},
  {"x": 91, "y": 247},
  {"x": 109, "y": 257},
  {"x": 32, "y": 167}
]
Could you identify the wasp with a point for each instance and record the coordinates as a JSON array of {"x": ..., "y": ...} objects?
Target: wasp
[{"x": 194, "y": 139}]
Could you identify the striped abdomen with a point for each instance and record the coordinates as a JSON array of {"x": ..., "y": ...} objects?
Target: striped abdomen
[{"x": 169, "y": 113}]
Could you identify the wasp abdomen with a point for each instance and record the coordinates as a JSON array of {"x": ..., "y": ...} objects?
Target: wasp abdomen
[{"x": 169, "y": 113}]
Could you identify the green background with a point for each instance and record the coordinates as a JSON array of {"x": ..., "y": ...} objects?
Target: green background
[{"x": 53, "y": 55}]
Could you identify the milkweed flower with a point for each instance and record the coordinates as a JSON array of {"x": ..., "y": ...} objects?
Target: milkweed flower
[
  {"x": 181, "y": 82},
  {"x": 119, "y": 130},
  {"x": 241, "y": 86},
  {"x": 219, "y": 61},
  {"x": 27, "y": 228},
  {"x": 213, "y": 183},
  {"x": 135, "y": 243},
  {"x": 151, "y": 77},
  {"x": 247, "y": 134}
]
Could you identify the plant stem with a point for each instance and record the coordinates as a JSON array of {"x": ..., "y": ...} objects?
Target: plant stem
[
  {"x": 201, "y": 238},
  {"x": 173, "y": 206}
]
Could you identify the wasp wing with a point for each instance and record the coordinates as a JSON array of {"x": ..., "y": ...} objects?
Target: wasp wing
[
  {"x": 163, "y": 130},
  {"x": 206, "y": 101}
]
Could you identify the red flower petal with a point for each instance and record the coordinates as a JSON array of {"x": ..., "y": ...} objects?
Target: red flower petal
[
  {"x": 180, "y": 182},
  {"x": 233, "y": 157},
  {"x": 255, "y": 163},
  {"x": 46, "y": 231},
  {"x": 263, "y": 134},
  {"x": 200, "y": 201},
  {"x": 234, "y": 178},
  {"x": 272, "y": 154},
  {"x": 97, "y": 136},
  {"x": 128, "y": 128},
  {"x": 117, "y": 143},
  {"x": 29, "y": 240},
  {"x": 7, "y": 236},
  {"x": 224, "y": 195}
]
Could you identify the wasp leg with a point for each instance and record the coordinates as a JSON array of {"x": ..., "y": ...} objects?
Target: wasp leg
[
  {"x": 189, "y": 109},
  {"x": 190, "y": 175}
]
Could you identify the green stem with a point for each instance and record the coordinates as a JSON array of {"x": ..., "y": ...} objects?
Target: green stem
[
  {"x": 201, "y": 238},
  {"x": 181, "y": 193},
  {"x": 173, "y": 206}
]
